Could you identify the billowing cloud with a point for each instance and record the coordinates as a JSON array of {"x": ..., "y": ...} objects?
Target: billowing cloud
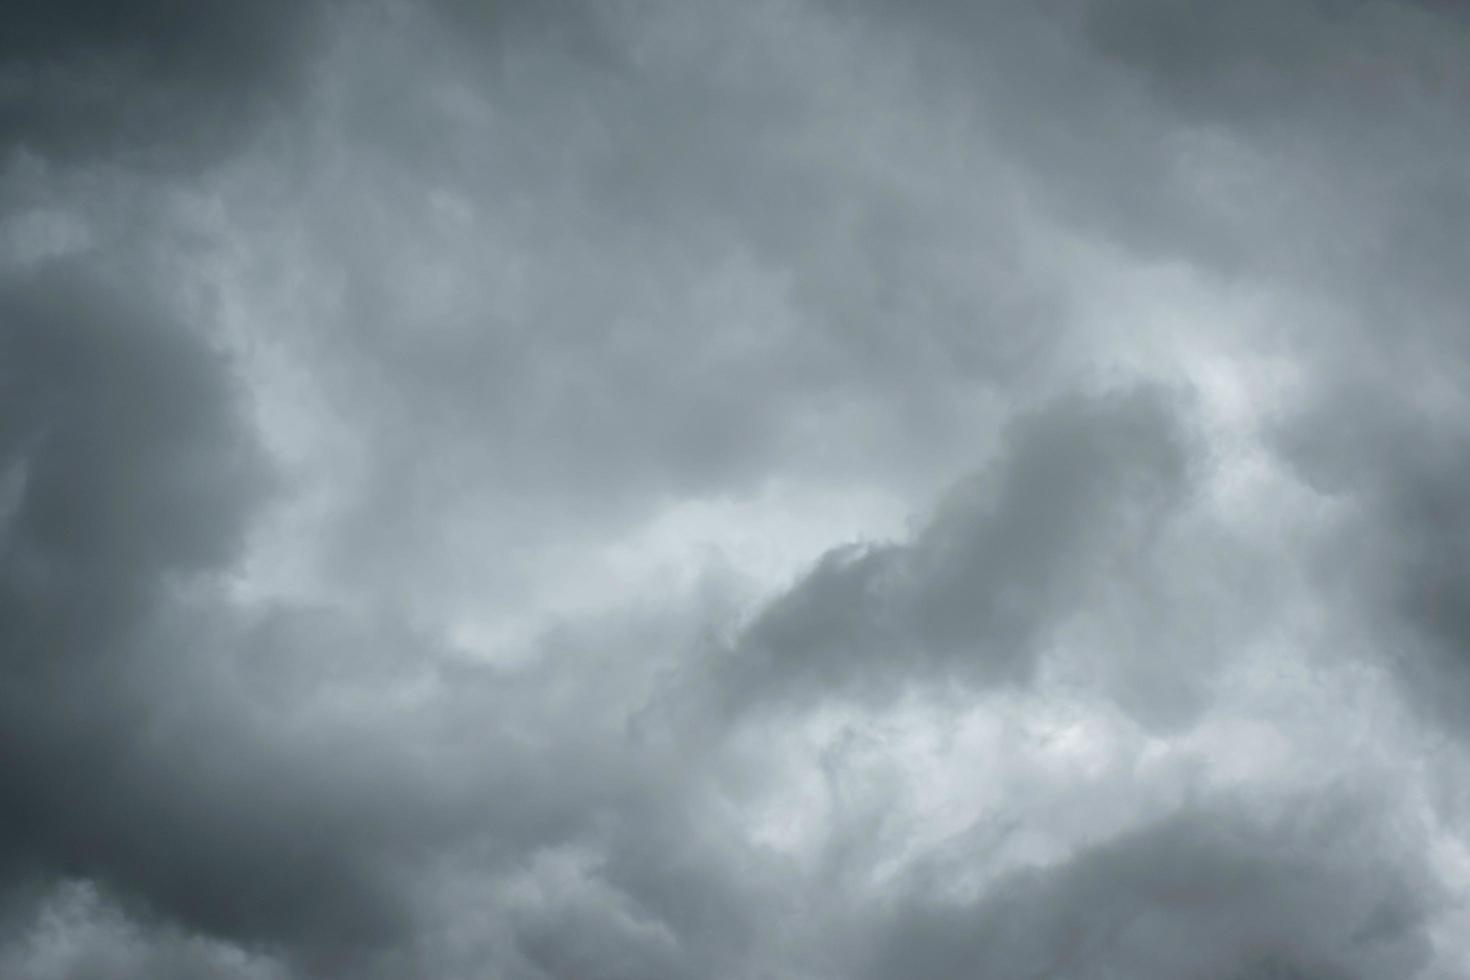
[
  {"x": 1197, "y": 894},
  {"x": 1002, "y": 562},
  {"x": 668, "y": 490}
]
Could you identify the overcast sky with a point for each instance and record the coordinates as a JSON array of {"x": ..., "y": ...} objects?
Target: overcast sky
[{"x": 763, "y": 490}]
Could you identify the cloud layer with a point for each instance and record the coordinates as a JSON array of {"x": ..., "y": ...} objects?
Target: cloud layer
[{"x": 653, "y": 490}]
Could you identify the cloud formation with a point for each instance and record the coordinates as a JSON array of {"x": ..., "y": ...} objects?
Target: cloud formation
[
  {"x": 161, "y": 83},
  {"x": 1003, "y": 560},
  {"x": 667, "y": 490}
]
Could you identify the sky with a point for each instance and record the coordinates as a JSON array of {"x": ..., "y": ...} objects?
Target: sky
[{"x": 779, "y": 490}]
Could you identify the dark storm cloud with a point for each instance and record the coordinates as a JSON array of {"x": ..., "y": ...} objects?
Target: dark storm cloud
[
  {"x": 1002, "y": 562},
  {"x": 1257, "y": 62},
  {"x": 130, "y": 757},
  {"x": 157, "y": 82},
  {"x": 166, "y": 748},
  {"x": 1396, "y": 556},
  {"x": 125, "y": 465},
  {"x": 1319, "y": 894},
  {"x": 1237, "y": 61},
  {"x": 1358, "y": 111},
  {"x": 519, "y": 290},
  {"x": 128, "y": 476}
]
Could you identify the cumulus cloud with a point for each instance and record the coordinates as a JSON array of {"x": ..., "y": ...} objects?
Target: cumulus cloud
[{"x": 632, "y": 490}]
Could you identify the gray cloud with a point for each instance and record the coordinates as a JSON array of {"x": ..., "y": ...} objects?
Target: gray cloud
[
  {"x": 1393, "y": 556},
  {"x": 157, "y": 82},
  {"x": 78, "y": 935},
  {"x": 1004, "y": 560},
  {"x": 453, "y": 460},
  {"x": 137, "y": 759},
  {"x": 130, "y": 476},
  {"x": 1198, "y": 894}
]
